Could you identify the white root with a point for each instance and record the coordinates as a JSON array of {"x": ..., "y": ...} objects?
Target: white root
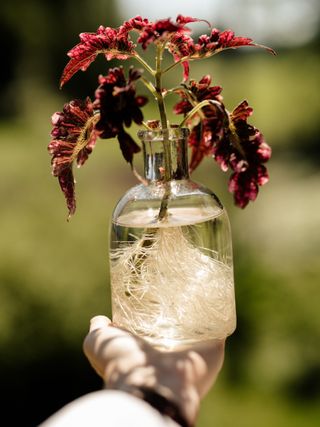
[{"x": 164, "y": 287}]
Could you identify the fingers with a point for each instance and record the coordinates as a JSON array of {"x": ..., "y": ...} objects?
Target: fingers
[
  {"x": 111, "y": 350},
  {"x": 105, "y": 342},
  {"x": 209, "y": 362},
  {"x": 199, "y": 364},
  {"x": 98, "y": 322}
]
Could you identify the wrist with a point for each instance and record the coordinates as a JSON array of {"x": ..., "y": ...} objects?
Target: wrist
[
  {"x": 171, "y": 398},
  {"x": 165, "y": 405},
  {"x": 168, "y": 406}
]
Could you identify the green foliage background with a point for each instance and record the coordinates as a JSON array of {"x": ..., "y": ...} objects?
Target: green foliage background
[{"x": 54, "y": 274}]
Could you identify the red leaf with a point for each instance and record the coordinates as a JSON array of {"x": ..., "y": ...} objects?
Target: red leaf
[
  {"x": 217, "y": 41},
  {"x": 128, "y": 146},
  {"x": 67, "y": 183},
  {"x": 197, "y": 153},
  {"x": 72, "y": 125},
  {"x": 241, "y": 112},
  {"x": 186, "y": 69},
  {"x": 187, "y": 19},
  {"x": 75, "y": 65},
  {"x": 113, "y": 43},
  {"x": 228, "y": 40}
]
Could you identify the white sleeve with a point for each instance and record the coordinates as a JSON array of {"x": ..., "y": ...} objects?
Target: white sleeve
[{"x": 108, "y": 408}]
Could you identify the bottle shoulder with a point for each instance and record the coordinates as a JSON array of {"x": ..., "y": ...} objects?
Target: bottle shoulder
[
  {"x": 178, "y": 189},
  {"x": 188, "y": 201}
]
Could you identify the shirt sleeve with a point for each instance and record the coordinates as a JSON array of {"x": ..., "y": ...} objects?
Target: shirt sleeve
[{"x": 108, "y": 408}]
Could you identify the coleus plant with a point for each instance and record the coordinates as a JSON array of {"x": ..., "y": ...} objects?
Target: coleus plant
[{"x": 214, "y": 131}]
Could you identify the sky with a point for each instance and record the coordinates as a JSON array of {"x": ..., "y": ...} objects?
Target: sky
[{"x": 283, "y": 22}]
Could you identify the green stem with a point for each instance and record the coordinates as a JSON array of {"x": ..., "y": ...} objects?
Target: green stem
[
  {"x": 172, "y": 91},
  {"x": 195, "y": 57},
  {"x": 189, "y": 58},
  {"x": 189, "y": 94},
  {"x": 235, "y": 140},
  {"x": 166, "y": 143},
  {"x": 145, "y": 125},
  {"x": 157, "y": 93},
  {"x": 149, "y": 86},
  {"x": 199, "y": 106},
  {"x": 144, "y": 63},
  {"x": 158, "y": 87},
  {"x": 174, "y": 64},
  {"x": 234, "y": 136}
]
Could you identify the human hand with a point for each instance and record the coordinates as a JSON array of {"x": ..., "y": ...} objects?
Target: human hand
[{"x": 127, "y": 362}]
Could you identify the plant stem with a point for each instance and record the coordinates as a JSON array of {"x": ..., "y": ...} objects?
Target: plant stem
[
  {"x": 158, "y": 87},
  {"x": 234, "y": 136},
  {"x": 199, "y": 106},
  {"x": 149, "y": 86},
  {"x": 235, "y": 140},
  {"x": 185, "y": 58},
  {"x": 166, "y": 143},
  {"x": 144, "y": 63},
  {"x": 189, "y": 94}
]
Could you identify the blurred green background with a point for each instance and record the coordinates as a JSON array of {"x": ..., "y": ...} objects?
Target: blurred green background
[{"x": 54, "y": 274}]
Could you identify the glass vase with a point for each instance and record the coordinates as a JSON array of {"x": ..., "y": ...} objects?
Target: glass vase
[{"x": 171, "y": 252}]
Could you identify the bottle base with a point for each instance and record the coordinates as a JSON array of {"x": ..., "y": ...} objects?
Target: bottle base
[{"x": 168, "y": 344}]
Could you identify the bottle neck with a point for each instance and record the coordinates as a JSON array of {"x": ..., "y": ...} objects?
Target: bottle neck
[{"x": 154, "y": 153}]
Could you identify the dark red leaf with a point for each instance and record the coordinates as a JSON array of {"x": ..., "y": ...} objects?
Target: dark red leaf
[
  {"x": 187, "y": 19},
  {"x": 158, "y": 31},
  {"x": 241, "y": 112},
  {"x": 118, "y": 104},
  {"x": 113, "y": 43},
  {"x": 128, "y": 146},
  {"x": 73, "y": 125},
  {"x": 217, "y": 41},
  {"x": 197, "y": 153},
  {"x": 67, "y": 184},
  {"x": 249, "y": 152},
  {"x": 186, "y": 70}
]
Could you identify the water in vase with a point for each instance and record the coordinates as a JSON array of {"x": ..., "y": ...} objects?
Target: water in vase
[{"x": 172, "y": 281}]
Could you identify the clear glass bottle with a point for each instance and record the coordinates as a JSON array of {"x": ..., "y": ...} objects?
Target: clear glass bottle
[{"x": 171, "y": 252}]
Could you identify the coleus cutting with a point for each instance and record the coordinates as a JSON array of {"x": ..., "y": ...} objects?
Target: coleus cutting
[{"x": 214, "y": 131}]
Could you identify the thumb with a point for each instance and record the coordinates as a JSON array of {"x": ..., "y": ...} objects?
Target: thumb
[{"x": 98, "y": 322}]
